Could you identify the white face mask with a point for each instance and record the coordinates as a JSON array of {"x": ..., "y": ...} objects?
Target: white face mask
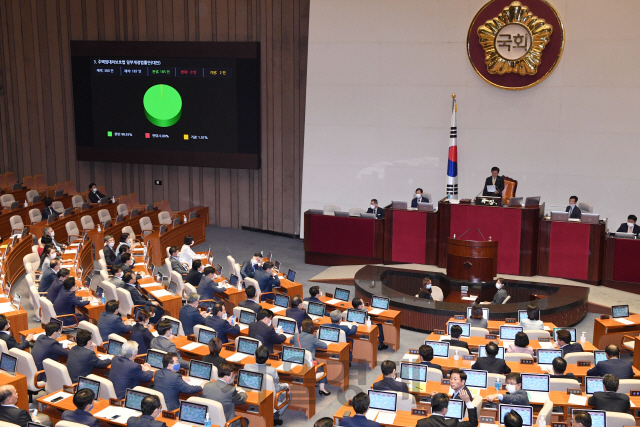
[
  {"x": 372, "y": 206},
  {"x": 192, "y": 243},
  {"x": 224, "y": 316},
  {"x": 418, "y": 195},
  {"x": 630, "y": 224},
  {"x": 111, "y": 245},
  {"x": 498, "y": 285},
  {"x": 53, "y": 233},
  {"x": 572, "y": 204},
  {"x": 428, "y": 286},
  {"x": 52, "y": 255},
  {"x": 269, "y": 322},
  {"x": 94, "y": 190},
  {"x": 511, "y": 388}
]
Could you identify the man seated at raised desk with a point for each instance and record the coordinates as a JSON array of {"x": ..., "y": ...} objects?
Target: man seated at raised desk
[
  {"x": 496, "y": 181},
  {"x": 573, "y": 209},
  {"x": 610, "y": 400},
  {"x": 500, "y": 295},
  {"x": 439, "y": 406},
  {"x": 218, "y": 321},
  {"x": 613, "y": 365},
  {"x": 417, "y": 198},
  {"x": 374, "y": 209},
  {"x": 515, "y": 395},
  {"x": 455, "y": 332},
  {"x": 389, "y": 383},
  {"x": 491, "y": 363},
  {"x": 630, "y": 226}
]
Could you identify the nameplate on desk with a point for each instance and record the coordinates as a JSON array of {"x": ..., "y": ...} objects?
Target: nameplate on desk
[
  {"x": 488, "y": 420},
  {"x": 169, "y": 415},
  {"x": 464, "y": 289},
  {"x": 365, "y": 337},
  {"x": 459, "y": 317},
  {"x": 274, "y": 357},
  {"x": 414, "y": 351},
  {"x": 634, "y": 392},
  {"x": 526, "y": 361},
  {"x": 438, "y": 331},
  {"x": 446, "y": 381},
  {"x": 509, "y": 320},
  {"x": 558, "y": 424},
  {"x": 541, "y": 339},
  {"x": 116, "y": 402},
  {"x": 230, "y": 347},
  {"x": 605, "y": 317},
  {"x": 139, "y": 361},
  {"x": 334, "y": 356},
  {"x": 574, "y": 391},
  {"x": 584, "y": 363},
  {"x": 490, "y": 337},
  {"x": 468, "y": 357},
  {"x": 191, "y": 337},
  {"x": 419, "y": 412}
]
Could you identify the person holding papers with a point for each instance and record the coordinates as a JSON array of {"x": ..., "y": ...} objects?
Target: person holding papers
[
  {"x": 515, "y": 395},
  {"x": 125, "y": 373},
  {"x": 151, "y": 409},
  {"x": 295, "y": 312},
  {"x": 189, "y": 315},
  {"x": 559, "y": 366},
  {"x": 491, "y": 363},
  {"x": 262, "y": 355},
  {"x": 532, "y": 322},
  {"x": 630, "y": 226},
  {"x": 426, "y": 356},
  {"x": 310, "y": 342},
  {"x": 613, "y": 365},
  {"x": 222, "y": 390},
  {"x": 82, "y": 357},
  {"x": 251, "y": 303},
  {"x": 564, "y": 343},
  {"x": 374, "y": 209},
  {"x": 455, "y": 332},
  {"x": 610, "y": 400},
  {"x": 573, "y": 209},
  {"x": 439, "y": 406},
  {"x": 215, "y": 347},
  {"x": 169, "y": 382},
  {"x": 83, "y": 400},
  {"x": 163, "y": 341},
  {"x": 110, "y": 321},
  {"x": 262, "y": 330},
  {"x": 7, "y": 336},
  {"x": 494, "y": 184},
  {"x": 218, "y": 321},
  {"x": 138, "y": 299},
  {"x": 360, "y": 403},
  {"x": 9, "y": 412},
  {"x": 389, "y": 383},
  {"x": 207, "y": 288}
]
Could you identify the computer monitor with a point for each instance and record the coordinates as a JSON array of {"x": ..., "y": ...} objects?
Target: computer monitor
[
  {"x": 175, "y": 327},
  {"x": 288, "y": 326},
  {"x": 84, "y": 206},
  {"x": 380, "y": 302},
  {"x": 341, "y": 213},
  {"x": 16, "y": 301},
  {"x": 509, "y": 332},
  {"x": 545, "y": 357},
  {"x": 193, "y": 413},
  {"x": 593, "y": 384},
  {"x": 149, "y": 207},
  {"x": 329, "y": 334},
  {"x": 382, "y": 400},
  {"x": 99, "y": 291},
  {"x": 413, "y": 372},
  {"x": 515, "y": 201},
  {"x": 559, "y": 216},
  {"x": 67, "y": 211},
  {"x": 485, "y": 313},
  {"x": 281, "y": 301},
  {"x": 233, "y": 280},
  {"x": 247, "y": 346},
  {"x": 293, "y": 355},
  {"x": 571, "y": 330},
  {"x": 598, "y": 356},
  {"x": 315, "y": 308},
  {"x": 30, "y": 424},
  {"x": 247, "y": 317},
  {"x": 526, "y": 412},
  {"x": 84, "y": 382},
  {"x": 356, "y": 316},
  {"x": 316, "y": 212},
  {"x": 598, "y": 418},
  {"x": 107, "y": 224},
  {"x": 291, "y": 275},
  {"x": 119, "y": 218},
  {"x": 482, "y": 352},
  {"x": 455, "y": 409},
  {"x": 163, "y": 228},
  {"x": 172, "y": 288},
  {"x": 133, "y": 399},
  {"x": 176, "y": 222},
  {"x": 200, "y": 369},
  {"x": 621, "y": 235},
  {"x": 619, "y": 311},
  {"x": 193, "y": 215},
  {"x": 115, "y": 347},
  {"x": 8, "y": 363},
  {"x": 522, "y": 315},
  {"x": 590, "y": 218},
  {"x": 440, "y": 349},
  {"x": 367, "y": 215},
  {"x": 342, "y": 294},
  {"x": 55, "y": 320},
  {"x": 535, "y": 382},
  {"x": 396, "y": 204},
  {"x": 154, "y": 358},
  {"x": 250, "y": 380},
  {"x": 205, "y": 335},
  {"x": 425, "y": 207},
  {"x": 532, "y": 201},
  {"x": 276, "y": 265},
  {"x": 134, "y": 212},
  {"x": 476, "y": 378},
  {"x": 466, "y": 328}
]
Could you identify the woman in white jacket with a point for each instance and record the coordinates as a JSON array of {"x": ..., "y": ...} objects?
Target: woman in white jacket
[
  {"x": 187, "y": 255},
  {"x": 533, "y": 321}
]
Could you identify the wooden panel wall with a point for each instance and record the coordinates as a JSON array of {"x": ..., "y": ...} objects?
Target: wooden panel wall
[{"x": 36, "y": 105}]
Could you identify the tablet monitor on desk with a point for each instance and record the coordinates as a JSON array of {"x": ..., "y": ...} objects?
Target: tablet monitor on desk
[
  {"x": 53, "y": 319},
  {"x": 115, "y": 348},
  {"x": 522, "y": 315},
  {"x": 149, "y": 207},
  {"x": 193, "y": 215},
  {"x": 193, "y": 413},
  {"x": 619, "y": 311},
  {"x": 200, "y": 369},
  {"x": 413, "y": 372},
  {"x": 206, "y": 335},
  {"x": 466, "y": 328},
  {"x": 482, "y": 352},
  {"x": 154, "y": 358},
  {"x": 326, "y": 333},
  {"x": 175, "y": 327},
  {"x": 559, "y": 216},
  {"x": 425, "y": 207},
  {"x": 381, "y": 303},
  {"x": 233, "y": 280},
  {"x": 455, "y": 409},
  {"x": 515, "y": 202},
  {"x": 316, "y": 212},
  {"x": 276, "y": 265},
  {"x": 8, "y": 363},
  {"x": 341, "y": 213},
  {"x": 624, "y": 235},
  {"x": 476, "y": 378},
  {"x": 247, "y": 346},
  {"x": 593, "y": 384},
  {"x": 509, "y": 332},
  {"x": 288, "y": 326},
  {"x": 84, "y": 382},
  {"x": 598, "y": 418},
  {"x": 293, "y": 355},
  {"x": 356, "y": 316},
  {"x": 526, "y": 412},
  {"x": 281, "y": 301},
  {"x": 485, "y": 313},
  {"x": 119, "y": 218},
  {"x": 535, "y": 382},
  {"x": 590, "y": 218},
  {"x": 383, "y": 401},
  {"x": 291, "y": 276},
  {"x": 532, "y": 201},
  {"x": 246, "y": 317},
  {"x": 84, "y": 206},
  {"x": 176, "y": 222},
  {"x": 440, "y": 349},
  {"x": 598, "y": 356},
  {"x": 250, "y": 380},
  {"x": 367, "y": 215},
  {"x": 67, "y": 211},
  {"x": 134, "y": 212},
  {"x": 172, "y": 288},
  {"x": 163, "y": 228},
  {"x": 545, "y": 357},
  {"x": 342, "y": 294},
  {"x": 103, "y": 201},
  {"x": 571, "y": 330},
  {"x": 396, "y": 204},
  {"x": 133, "y": 399},
  {"x": 315, "y": 309}
]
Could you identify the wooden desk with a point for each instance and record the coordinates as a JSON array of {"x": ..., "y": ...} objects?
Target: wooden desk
[
  {"x": 13, "y": 264},
  {"x": 610, "y": 331},
  {"x": 403, "y": 418},
  {"x": 171, "y": 304},
  {"x": 620, "y": 264},
  {"x": 23, "y": 212},
  {"x": 494, "y": 325},
  {"x": 473, "y": 261},
  {"x": 410, "y": 236},
  {"x": 475, "y": 342},
  {"x": 20, "y": 383},
  {"x": 365, "y": 343}
]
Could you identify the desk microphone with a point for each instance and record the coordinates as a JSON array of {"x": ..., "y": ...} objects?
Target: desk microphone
[
  {"x": 482, "y": 235},
  {"x": 464, "y": 233}
]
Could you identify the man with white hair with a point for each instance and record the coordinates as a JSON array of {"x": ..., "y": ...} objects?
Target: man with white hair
[
  {"x": 336, "y": 318},
  {"x": 9, "y": 412},
  {"x": 125, "y": 373},
  {"x": 48, "y": 231},
  {"x": 189, "y": 315}
]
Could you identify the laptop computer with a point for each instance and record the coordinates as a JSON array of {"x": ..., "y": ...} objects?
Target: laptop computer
[
  {"x": 329, "y": 334},
  {"x": 250, "y": 380},
  {"x": 425, "y": 207},
  {"x": 618, "y": 311},
  {"x": 154, "y": 358},
  {"x": 172, "y": 288},
  {"x": 176, "y": 222},
  {"x": 84, "y": 206},
  {"x": 476, "y": 378},
  {"x": 593, "y": 384},
  {"x": 342, "y": 294},
  {"x": 545, "y": 357},
  {"x": 559, "y": 216},
  {"x": 199, "y": 372},
  {"x": 598, "y": 418},
  {"x": 381, "y": 303},
  {"x": 8, "y": 363},
  {"x": 621, "y": 235},
  {"x": 440, "y": 349},
  {"x": 193, "y": 413},
  {"x": 590, "y": 218},
  {"x": 247, "y": 346},
  {"x": 367, "y": 215},
  {"x": 84, "y": 382},
  {"x": 515, "y": 201},
  {"x": 526, "y": 412},
  {"x": 396, "y": 204},
  {"x": 537, "y": 386},
  {"x": 485, "y": 313},
  {"x": 466, "y": 328},
  {"x": 341, "y": 213},
  {"x": 356, "y": 316},
  {"x": 119, "y": 218},
  {"x": 532, "y": 201},
  {"x": 482, "y": 352},
  {"x": 281, "y": 301},
  {"x": 315, "y": 309},
  {"x": 508, "y": 333},
  {"x": 206, "y": 335},
  {"x": 383, "y": 400}
]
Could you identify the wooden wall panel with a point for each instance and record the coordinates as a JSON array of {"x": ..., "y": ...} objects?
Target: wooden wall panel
[{"x": 36, "y": 100}]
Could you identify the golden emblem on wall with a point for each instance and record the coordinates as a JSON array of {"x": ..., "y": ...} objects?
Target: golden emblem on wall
[{"x": 514, "y": 40}]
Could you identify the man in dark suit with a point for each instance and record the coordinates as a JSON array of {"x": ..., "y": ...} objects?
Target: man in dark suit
[
  {"x": 151, "y": 407},
  {"x": 9, "y": 412},
  {"x": 336, "y": 318},
  {"x": 417, "y": 198},
  {"x": 358, "y": 304},
  {"x": 46, "y": 346},
  {"x": 609, "y": 400},
  {"x": 58, "y": 284},
  {"x": 360, "y": 403},
  {"x": 374, "y": 209},
  {"x": 251, "y": 303},
  {"x": 514, "y": 419},
  {"x": 169, "y": 382},
  {"x": 262, "y": 330},
  {"x": 458, "y": 383},
  {"x": 121, "y": 251},
  {"x": 515, "y": 396},
  {"x": 573, "y": 209},
  {"x": 249, "y": 267},
  {"x": 439, "y": 406},
  {"x": 389, "y": 383},
  {"x": 267, "y": 279},
  {"x": 138, "y": 299},
  {"x": 48, "y": 211},
  {"x": 110, "y": 321},
  {"x": 7, "y": 336},
  {"x": 49, "y": 276},
  {"x": 295, "y": 312},
  {"x": 207, "y": 288},
  {"x": 48, "y": 231},
  {"x": 559, "y": 366},
  {"x": 109, "y": 249},
  {"x": 314, "y": 291},
  {"x": 195, "y": 274},
  {"x": 630, "y": 226},
  {"x": 118, "y": 274},
  {"x": 176, "y": 264},
  {"x": 456, "y": 331},
  {"x": 163, "y": 341},
  {"x": 496, "y": 180},
  {"x": 491, "y": 363},
  {"x": 580, "y": 419},
  {"x": 218, "y": 322},
  {"x": 66, "y": 302},
  {"x": 83, "y": 401},
  {"x": 564, "y": 343},
  {"x": 613, "y": 365},
  {"x": 82, "y": 357},
  {"x": 94, "y": 194},
  {"x": 225, "y": 392},
  {"x": 426, "y": 356},
  {"x": 125, "y": 373},
  {"x": 190, "y": 315},
  {"x": 501, "y": 293}
]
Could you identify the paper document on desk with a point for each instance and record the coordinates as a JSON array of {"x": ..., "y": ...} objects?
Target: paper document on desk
[
  {"x": 36, "y": 336},
  {"x": 236, "y": 357},
  {"x": 150, "y": 285},
  {"x": 372, "y": 414},
  {"x": 191, "y": 346},
  {"x": 624, "y": 321},
  {"x": 375, "y": 311},
  {"x": 386, "y": 418},
  {"x": 155, "y": 333},
  {"x": 161, "y": 293},
  {"x": 410, "y": 357},
  {"x": 574, "y": 399},
  {"x": 333, "y": 301},
  {"x": 444, "y": 337},
  {"x": 277, "y": 309},
  {"x": 538, "y": 396},
  {"x": 179, "y": 424},
  {"x": 633, "y": 405},
  {"x": 243, "y": 326},
  {"x": 194, "y": 381},
  {"x": 105, "y": 356},
  {"x": 121, "y": 414},
  {"x": 470, "y": 298},
  {"x": 417, "y": 387},
  {"x": 70, "y": 251},
  {"x": 546, "y": 328},
  {"x": 55, "y": 396},
  {"x": 546, "y": 345},
  {"x": 6, "y": 307},
  {"x": 491, "y": 188}
]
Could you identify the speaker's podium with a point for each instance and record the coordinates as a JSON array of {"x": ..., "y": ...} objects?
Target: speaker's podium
[{"x": 471, "y": 260}]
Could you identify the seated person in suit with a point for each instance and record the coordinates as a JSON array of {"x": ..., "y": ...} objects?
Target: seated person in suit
[
  {"x": 295, "y": 312},
  {"x": 513, "y": 419},
  {"x": 358, "y": 304},
  {"x": 496, "y": 180},
  {"x": 267, "y": 278},
  {"x": 109, "y": 249},
  {"x": 630, "y": 226},
  {"x": 66, "y": 302},
  {"x": 389, "y": 383},
  {"x": 48, "y": 211},
  {"x": 310, "y": 342},
  {"x": 490, "y": 363},
  {"x": 218, "y": 321},
  {"x": 94, "y": 194},
  {"x": 564, "y": 343},
  {"x": 82, "y": 357},
  {"x": 456, "y": 331},
  {"x": 121, "y": 251},
  {"x": 426, "y": 356},
  {"x": 500, "y": 295},
  {"x": 48, "y": 231},
  {"x": 425, "y": 291},
  {"x": 324, "y": 422},
  {"x": 532, "y": 322},
  {"x": 520, "y": 345},
  {"x": 262, "y": 355},
  {"x": 83, "y": 400},
  {"x": 151, "y": 408},
  {"x": 163, "y": 341},
  {"x": 314, "y": 292},
  {"x": 127, "y": 264},
  {"x": 515, "y": 396},
  {"x": 573, "y": 209},
  {"x": 224, "y": 391},
  {"x": 262, "y": 330},
  {"x": 215, "y": 347},
  {"x": 125, "y": 373},
  {"x": 195, "y": 274},
  {"x": 46, "y": 346},
  {"x": 458, "y": 383},
  {"x": 360, "y": 403},
  {"x": 610, "y": 400},
  {"x": 176, "y": 264},
  {"x": 251, "y": 302},
  {"x": 581, "y": 419},
  {"x": 374, "y": 209},
  {"x": 613, "y": 365},
  {"x": 336, "y": 318},
  {"x": 249, "y": 267},
  {"x": 110, "y": 322},
  {"x": 477, "y": 320},
  {"x": 169, "y": 382},
  {"x": 49, "y": 275},
  {"x": 207, "y": 288},
  {"x": 138, "y": 299},
  {"x": 417, "y": 198},
  {"x": 439, "y": 406},
  {"x": 558, "y": 368},
  {"x": 189, "y": 315},
  {"x": 9, "y": 412},
  {"x": 7, "y": 336},
  {"x": 140, "y": 332},
  {"x": 57, "y": 284},
  {"x": 117, "y": 273}
]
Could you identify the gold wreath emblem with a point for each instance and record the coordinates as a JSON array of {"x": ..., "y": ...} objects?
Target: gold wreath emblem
[{"x": 513, "y": 41}]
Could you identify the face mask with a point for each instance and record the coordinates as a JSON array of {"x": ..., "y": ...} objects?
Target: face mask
[
  {"x": 572, "y": 204},
  {"x": 192, "y": 243},
  {"x": 53, "y": 233},
  {"x": 111, "y": 245},
  {"x": 94, "y": 190},
  {"x": 128, "y": 242},
  {"x": 176, "y": 367},
  {"x": 224, "y": 316},
  {"x": 254, "y": 262},
  {"x": 372, "y": 206},
  {"x": 630, "y": 224},
  {"x": 428, "y": 286},
  {"x": 269, "y": 323},
  {"x": 498, "y": 285},
  {"x": 511, "y": 388},
  {"x": 418, "y": 195},
  {"x": 52, "y": 256}
]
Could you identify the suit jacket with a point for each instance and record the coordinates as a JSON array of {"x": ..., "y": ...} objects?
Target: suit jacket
[
  {"x": 265, "y": 280},
  {"x": 379, "y": 212},
  {"x": 313, "y": 299},
  {"x": 117, "y": 282},
  {"x": 624, "y": 228},
  {"x": 267, "y": 370},
  {"x": 111, "y": 323},
  {"x": 248, "y": 269},
  {"x": 251, "y": 305},
  {"x": 207, "y": 289},
  {"x": 576, "y": 347},
  {"x": 126, "y": 374},
  {"x": 216, "y": 360},
  {"x": 109, "y": 255},
  {"x": 81, "y": 362},
  {"x": 54, "y": 289},
  {"x": 66, "y": 301},
  {"x": 118, "y": 260},
  {"x": 48, "y": 211},
  {"x": 569, "y": 376},
  {"x": 81, "y": 417},
  {"x": 14, "y": 415},
  {"x": 493, "y": 365},
  {"x": 266, "y": 334},
  {"x": 499, "y": 186},
  {"x": 178, "y": 267},
  {"x": 431, "y": 365},
  {"x": 165, "y": 344},
  {"x": 348, "y": 331},
  {"x": 142, "y": 336},
  {"x": 437, "y": 421},
  {"x": 136, "y": 297},
  {"x": 500, "y": 296},
  {"x": 171, "y": 384},
  {"x": 222, "y": 327},
  {"x": 358, "y": 421},
  {"x": 298, "y": 315},
  {"x": 11, "y": 342},
  {"x": 617, "y": 367},
  {"x": 190, "y": 317},
  {"x": 609, "y": 401},
  {"x": 145, "y": 421},
  {"x": 416, "y": 200},
  {"x": 458, "y": 343},
  {"x": 309, "y": 342},
  {"x": 95, "y": 197},
  {"x": 576, "y": 213},
  {"x": 194, "y": 277},
  {"x": 389, "y": 384},
  {"x": 518, "y": 397},
  {"x": 46, "y": 280},
  {"x": 455, "y": 393},
  {"x": 227, "y": 395},
  {"x": 46, "y": 348}
]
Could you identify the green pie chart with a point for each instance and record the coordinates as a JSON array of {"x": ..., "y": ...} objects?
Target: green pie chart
[{"x": 162, "y": 105}]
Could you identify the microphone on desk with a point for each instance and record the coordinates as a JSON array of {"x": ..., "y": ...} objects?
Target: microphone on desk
[
  {"x": 464, "y": 233},
  {"x": 482, "y": 235}
]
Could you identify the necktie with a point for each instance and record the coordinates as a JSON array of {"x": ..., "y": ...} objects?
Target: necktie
[
  {"x": 630, "y": 229},
  {"x": 494, "y": 181}
]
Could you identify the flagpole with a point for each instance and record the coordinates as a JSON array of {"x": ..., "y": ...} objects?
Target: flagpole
[{"x": 452, "y": 163}]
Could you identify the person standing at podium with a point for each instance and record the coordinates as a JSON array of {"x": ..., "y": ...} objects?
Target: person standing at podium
[
  {"x": 630, "y": 226},
  {"x": 418, "y": 198},
  {"x": 496, "y": 181},
  {"x": 374, "y": 209},
  {"x": 574, "y": 211}
]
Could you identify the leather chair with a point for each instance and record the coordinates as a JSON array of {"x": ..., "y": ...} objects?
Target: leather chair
[
  {"x": 29, "y": 182},
  {"x": 132, "y": 234},
  {"x": 135, "y": 202},
  {"x": 34, "y": 298},
  {"x": 95, "y": 332},
  {"x": 146, "y": 226},
  {"x": 57, "y": 187},
  {"x": 545, "y": 413},
  {"x": 2, "y": 423},
  {"x": 31, "y": 194},
  {"x": 3, "y": 344},
  {"x": 58, "y": 206},
  {"x": 619, "y": 419},
  {"x": 106, "y": 388},
  {"x": 6, "y": 200},
  {"x": 68, "y": 424},
  {"x": 27, "y": 366},
  {"x": 625, "y": 386},
  {"x": 580, "y": 356},
  {"x": 281, "y": 399},
  {"x": 41, "y": 183},
  {"x": 436, "y": 293},
  {"x": 77, "y": 201},
  {"x": 103, "y": 216},
  {"x": 164, "y": 218},
  {"x": 477, "y": 332},
  {"x": 35, "y": 216},
  {"x": 16, "y": 224},
  {"x": 126, "y": 303},
  {"x": 70, "y": 188},
  {"x": 562, "y": 384},
  {"x": 330, "y": 209},
  {"x": 57, "y": 375},
  {"x": 167, "y": 263},
  {"x": 461, "y": 351},
  {"x": 72, "y": 231},
  {"x": 537, "y": 334},
  {"x": 492, "y": 378},
  {"x": 356, "y": 211},
  {"x": 117, "y": 337},
  {"x": 48, "y": 312},
  {"x": 434, "y": 375},
  {"x": 506, "y": 300},
  {"x": 510, "y": 187},
  {"x": 180, "y": 330},
  {"x": 176, "y": 277},
  {"x": 124, "y": 200},
  {"x": 188, "y": 290},
  {"x": 31, "y": 259},
  {"x": 10, "y": 179},
  {"x": 216, "y": 412},
  {"x": 166, "y": 206},
  {"x": 585, "y": 207},
  {"x": 110, "y": 290},
  {"x": 122, "y": 209},
  {"x": 87, "y": 223},
  {"x": 516, "y": 357}
]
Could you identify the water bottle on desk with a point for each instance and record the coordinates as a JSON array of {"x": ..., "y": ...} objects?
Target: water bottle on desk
[
  {"x": 98, "y": 228},
  {"x": 368, "y": 321},
  {"x": 103, "y": 299},
  {"x": 498, "y": 385},
  {"x": 184, "y": 219},
  {"x": 207, "y": 421},
  {"x": 456, "y": 355},
  {"x": 583, "y": 338}
]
